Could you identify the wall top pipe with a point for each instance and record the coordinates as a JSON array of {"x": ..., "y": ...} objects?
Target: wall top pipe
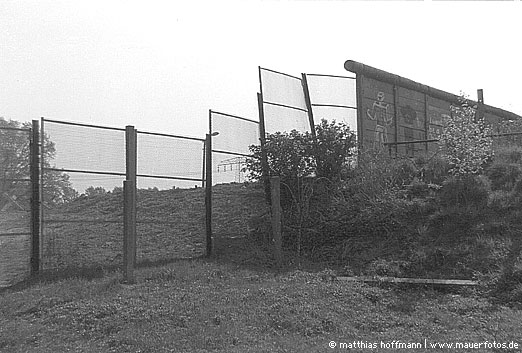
[{"x": 381, "y": 75}]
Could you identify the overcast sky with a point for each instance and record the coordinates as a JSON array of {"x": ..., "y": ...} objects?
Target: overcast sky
[{"x": 160, "y": 65}]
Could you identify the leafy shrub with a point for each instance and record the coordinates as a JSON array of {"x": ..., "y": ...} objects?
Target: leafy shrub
[
  {"x": 465, "y": 140},
  {"x": 334, "y": 147},
  {"x": 95, "y": 191},
  {"x": 297, "y": 155},
  {"x": 289, "y": 156}
]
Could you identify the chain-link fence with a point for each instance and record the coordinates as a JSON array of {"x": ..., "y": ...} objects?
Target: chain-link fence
[{"x": 15, "y": 204}]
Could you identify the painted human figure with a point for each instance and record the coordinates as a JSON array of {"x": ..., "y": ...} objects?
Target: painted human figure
[{"x": 379, "y": 113}]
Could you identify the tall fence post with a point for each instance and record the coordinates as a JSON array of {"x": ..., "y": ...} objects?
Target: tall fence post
[
  {"x": 35, "y": 197},
  {"x": 275, "y": 188},
  {"x": 308, "y": 102},
  {"x": 204, "y": 164},
  {"x": 208, "y": 193},
  {"x": 262, "y": 139},
  {"x": 129, "y": 206}
]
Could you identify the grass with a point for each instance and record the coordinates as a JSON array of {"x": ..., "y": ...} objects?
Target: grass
[
  {"x": 228, "y": 304},
  {"x": 88, "y": 232},
  {"x": 235, "y": 301}
]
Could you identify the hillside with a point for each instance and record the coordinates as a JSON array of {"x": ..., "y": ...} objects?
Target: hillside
[
  {"x": 212, "y": 305},
  {"x": 235, "y": 301},
  {"x": 88, "y": 232}
]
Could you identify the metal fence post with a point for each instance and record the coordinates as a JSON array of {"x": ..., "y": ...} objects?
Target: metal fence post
[
  {"x": 262, "y": 139},
  {"x": 208, "y": 193},
  {"x": 308, "y": 103},
  {"x": 275, "y": 188},
  {"x": 35, "y": 197},
  {"x": 129, "y": 206}
]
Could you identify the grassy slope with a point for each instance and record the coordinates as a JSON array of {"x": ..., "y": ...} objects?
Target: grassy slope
[
  {"x": 213, "y": 305},
  {"x": 171, "y": 225},
  {"x": 235, "y": 302}
]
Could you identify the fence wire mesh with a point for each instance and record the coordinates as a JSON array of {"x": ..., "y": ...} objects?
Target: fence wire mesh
[
  {"x": 233, "y": 202},
  {"x": 231, "y": 146},
  {"x": 170, "y": 201},
  {"x": 170, "y": 156},
  {"x": 284, "y": 103},
  {"x": 83, "y": 168},
  {"x": 333, "y": 98},
  {"x": 236, "y": 134},
  {"x": 15, "y": 206},
  {"x": 85, "y": 148}
]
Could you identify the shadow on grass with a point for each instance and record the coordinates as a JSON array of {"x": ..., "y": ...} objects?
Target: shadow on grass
[
  {"x": 239, "y": 252},
  {"x": 88, "y": 273}
]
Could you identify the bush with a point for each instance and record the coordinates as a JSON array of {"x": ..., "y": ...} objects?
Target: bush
[
  {"x": 296, "y": 155},
  {"x": 95, "y": 191},
  {"x": 333, "y": 150},
  {"x": 465, "y": 140}
]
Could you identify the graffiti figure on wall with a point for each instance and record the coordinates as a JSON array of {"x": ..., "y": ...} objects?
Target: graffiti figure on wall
[{"x": 379, "y": 113}]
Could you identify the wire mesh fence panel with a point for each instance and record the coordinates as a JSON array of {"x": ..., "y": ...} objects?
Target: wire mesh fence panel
[
  {"x": 332, "y": 90},
  {"x": 170, "y": 199},
  {"x": 84, "y": 147},
  {"x": 170, "y": 223},
  {"x": 228, "y": 168},
  {"x": 284, "y": 102},
  {"x": 238, "y": 210},
  {"x": 280, "y": 88},
  {"x": 231, "y": 146},
  {"x": 279, "y": 119},
  {"x": 15, "y": 206},
  {"x": 85, "y": 231},
  {"x": 83, "y": 168},
  {"x": 235, "y": 134},
  {"x": 169, "y": 156},
  {"x": 347, "y": 116},
  {"x": 333, "y": 98}
]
